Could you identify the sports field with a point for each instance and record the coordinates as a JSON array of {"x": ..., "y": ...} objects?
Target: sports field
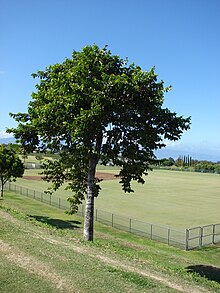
[{"x": 173, "y": 198}]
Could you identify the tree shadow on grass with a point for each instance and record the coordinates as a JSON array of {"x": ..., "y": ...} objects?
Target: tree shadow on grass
[
  {"x": 209, "y": 272},
  {"x": 58, "y": 223}
]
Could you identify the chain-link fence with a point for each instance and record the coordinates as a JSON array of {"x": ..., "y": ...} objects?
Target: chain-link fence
[
  {"x": 40, "y": 196},
  {"x": 191, "y": 238},
  {"x": 152, "y": 231},
  {"x": 198, "y": 237}
]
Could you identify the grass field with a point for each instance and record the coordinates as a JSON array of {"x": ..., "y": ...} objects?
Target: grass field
[
  {"x": 41, "y": 250},
  {"x": 173, "y": 198},
  {"x": 180, "y": 199}
]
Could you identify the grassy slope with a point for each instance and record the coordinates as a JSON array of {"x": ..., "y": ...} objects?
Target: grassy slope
[
  {"x": 174, "y": 198},
  {"x": 55, "y": 259}
]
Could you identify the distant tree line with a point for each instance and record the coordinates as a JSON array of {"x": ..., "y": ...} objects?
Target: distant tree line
[
  {"x": 187, "y": 163},
  {"x": 183, "y": 162}
]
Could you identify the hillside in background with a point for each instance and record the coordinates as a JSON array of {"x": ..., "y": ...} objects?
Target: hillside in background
[
  {"x": 7, "y": 140},
  {"x": 171, "y": 152},
  {"x": 163, "y": 153}
]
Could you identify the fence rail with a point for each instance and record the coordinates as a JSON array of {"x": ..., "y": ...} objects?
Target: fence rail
[
  {"x": 187, "y": 239},
  {"x": 198, "y": 237}
]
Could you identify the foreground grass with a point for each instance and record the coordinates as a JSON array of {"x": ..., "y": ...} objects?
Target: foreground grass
[{"x": 42, "y": 250}]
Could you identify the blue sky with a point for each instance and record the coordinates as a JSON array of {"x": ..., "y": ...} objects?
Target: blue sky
[{"x": 180, "y": 37}]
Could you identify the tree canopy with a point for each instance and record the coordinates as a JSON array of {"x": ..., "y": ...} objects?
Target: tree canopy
[
  {"x": 11, "y": 166},
  {"x": 95, "y": 107}
]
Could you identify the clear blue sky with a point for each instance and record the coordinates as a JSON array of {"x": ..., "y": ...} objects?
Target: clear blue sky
[{"x": 180, "y": 37}]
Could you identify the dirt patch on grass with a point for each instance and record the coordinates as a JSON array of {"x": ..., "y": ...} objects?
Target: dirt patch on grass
[
  {"x": 123, "y": 265},
  {"x": 106, "y": 176},
  {"x": 32, "y": 177},
  {"x": 34, "y": 266},
  {"x": 100, "y": 175}
]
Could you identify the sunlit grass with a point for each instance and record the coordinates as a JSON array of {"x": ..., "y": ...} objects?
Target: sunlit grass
[
  {"x": 44, "y": 234},
  {"x": 174, "y": 198}
]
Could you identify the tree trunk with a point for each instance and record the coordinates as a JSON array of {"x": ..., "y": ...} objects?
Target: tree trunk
[
  {"x": 2, "y": 188},
  {"x": 89, "y": 210}
]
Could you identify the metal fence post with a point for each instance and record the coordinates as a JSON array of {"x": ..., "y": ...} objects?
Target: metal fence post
[
  {"x": 187, "y": 239},
  {"x": 200, "y": 237},
  {"x": 151, "y": 231},
  {"x": 112, "y": 220},
  {"x": 168, "y": 236},
  {"x": 213, "y": 234},
  {"x": 130, "y": 225}
]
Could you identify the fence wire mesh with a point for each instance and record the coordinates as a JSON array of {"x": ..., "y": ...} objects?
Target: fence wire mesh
[{"x": 198, "y": 237}]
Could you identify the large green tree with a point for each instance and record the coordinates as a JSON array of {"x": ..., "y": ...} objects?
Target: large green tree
[
  {"x": 11, "y": 166},
  {"x": 96, "y": 107}
]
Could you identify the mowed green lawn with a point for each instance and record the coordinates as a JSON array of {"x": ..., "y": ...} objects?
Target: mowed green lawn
[{"x": 174, "y": 198}]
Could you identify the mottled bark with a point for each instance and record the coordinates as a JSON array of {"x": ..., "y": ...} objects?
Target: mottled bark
[{"x": 89, "y": 210}]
